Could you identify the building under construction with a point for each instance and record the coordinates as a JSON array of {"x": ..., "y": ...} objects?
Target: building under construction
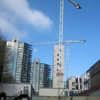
[
  {"x": 17, "y": 60},
  {"x": 58, "y": 67},
  {"x": 40, "y": 75}
]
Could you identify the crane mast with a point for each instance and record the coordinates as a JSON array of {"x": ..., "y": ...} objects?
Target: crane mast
[
  {"x": 58, "y": 71},
  {"x": 61, "y": 31},
  {"x": 60, "y": 67},
  {"x": 61, "y": 22}
]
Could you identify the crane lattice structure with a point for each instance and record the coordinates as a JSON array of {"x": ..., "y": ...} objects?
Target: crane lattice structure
[
  {"x": 61, "y": 42},
  {"x": 61, "y": 28},
  {"x": 64, "y": 43}
]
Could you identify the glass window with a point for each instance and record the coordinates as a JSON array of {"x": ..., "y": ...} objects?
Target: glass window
[
  {"x": 58, "y": 54},
  {"x": 80, "y": 80},
  {"x": 57, "y": 59},
  {"x": 76, "y": 80}
]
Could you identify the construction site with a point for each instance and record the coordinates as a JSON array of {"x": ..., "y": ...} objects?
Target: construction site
[
  {"x": 58, "y": 60},
  {"x": 22, "y": 78}
]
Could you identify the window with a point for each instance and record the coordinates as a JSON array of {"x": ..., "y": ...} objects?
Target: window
[
  {"x": 57, "y": 59},
  {"x": 58, "y": 54},
  {"x": 80, "y": 86},
  {"x": 57, "y": 70},
  {"x": 77, "y": 87},
  {"x": 80, "y": 80},
  {"x": 76, "y": 80},
  {"x": 25, "y": 89},
  {"x": 73, "y": 83},
  {"x": 73, "y": 88}
]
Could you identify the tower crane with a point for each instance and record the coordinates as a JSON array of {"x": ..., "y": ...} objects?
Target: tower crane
[
  {"x": 64, "y": 43},
  {"x": 61, "y": 42},
  {"x": 61, "y": 36}
]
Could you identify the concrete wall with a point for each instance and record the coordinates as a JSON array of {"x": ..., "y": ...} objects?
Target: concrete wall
[
  {"x": 51, "y": 92},
  {"x": 58, "y": 62},
  {"x": 96, "y": 93},
  {"x": 70, "y": 85},
  {"x": 67, "y": 98}
]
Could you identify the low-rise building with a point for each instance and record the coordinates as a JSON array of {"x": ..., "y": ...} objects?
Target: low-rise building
[
  {"x": 74, "y": 85},
  {"x": 91, "y": 83},
  {"x": 86, "y": 81},
  {"x": 16, "y": 89},
  {"x": 94, "y": 79}
]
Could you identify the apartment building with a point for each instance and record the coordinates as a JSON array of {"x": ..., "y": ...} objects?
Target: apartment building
[{"x": 16, "y": 66}]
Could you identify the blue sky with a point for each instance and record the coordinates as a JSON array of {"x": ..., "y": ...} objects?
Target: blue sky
[{"x": 35, "y": 21}]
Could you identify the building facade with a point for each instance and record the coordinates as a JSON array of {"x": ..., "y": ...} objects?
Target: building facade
[
  {"x": 85, "y": 81},
  {"x": 35, "y": 75},
  {"x": 79, "y": 84},
  {"x": 40, "y": 75},
  {"x": 94, "y": 71},
  {"x": 16, "y": 66},
  {"x": 58, "y": 67},
  {"x": 95, "y": 75},
  {"x": 45, "y": 72},
  {"x": 74, "y": 85},
  {"x": 91, "y": 83}
]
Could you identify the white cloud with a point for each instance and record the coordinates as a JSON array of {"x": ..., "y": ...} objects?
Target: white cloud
[
  {"x": 21, "y": 9},
  {"x": 5, "y": 26},
  {"x": 14, "y": 12}
]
